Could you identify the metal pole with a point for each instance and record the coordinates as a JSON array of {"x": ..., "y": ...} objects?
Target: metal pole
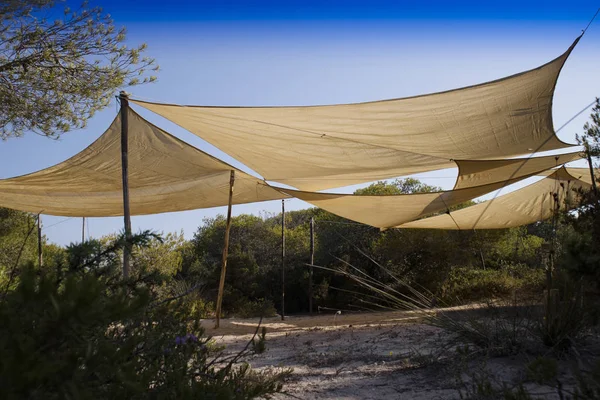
[
  {"x": 225, "y": 251},
  {"x": 124, "y": 169},
  {"x": 83, "y": 230},
  {"x": 589, "y": 158},
  {"x": 312, "y": 261},
  {"x": 282, "y": 260},
  {"x": 39, "y": 234}
]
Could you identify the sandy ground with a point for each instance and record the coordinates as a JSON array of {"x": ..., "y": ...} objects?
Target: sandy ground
[{"x": 391, "y": 355}]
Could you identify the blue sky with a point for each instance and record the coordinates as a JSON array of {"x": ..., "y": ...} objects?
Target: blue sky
[{"x": 323, "y": 52}]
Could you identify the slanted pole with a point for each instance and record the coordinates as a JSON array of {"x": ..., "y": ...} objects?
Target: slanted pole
[
  {"x": 225, "y": 251},
  {"x": 83, "y": 230},
  {"x": 125, "y": 173},
  {"x": 39, "y": 235},
  {"x": 589, "y": 158},
  {"x": 282, "y": 259},
  {"x": 312, "y": 261}
]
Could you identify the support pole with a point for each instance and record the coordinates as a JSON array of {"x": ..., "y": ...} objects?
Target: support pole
[
  {"x": 125, "y": 173},
  {"x": 312, "y": 261},
  {"x": 589, "y": 158},
  {"x": 225, "y": 252},
  {"x": 83, "y": 230},
  {"x": 39, "y": 235},
  {"x": 282, "y": 260}
]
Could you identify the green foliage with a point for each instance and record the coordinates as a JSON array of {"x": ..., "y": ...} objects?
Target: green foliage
[
  {"x": 565, "y": 321},
  {"x": 398, "y": 186},
  {"x": 423, "y": 259},
  {"x": 255, "y": 308},
  {"x": 517, "y": 246},
  {"x": 591, "y": 137},
  {"x": 58, "y": 69},
  {"x": 254, "y": 263},
  {"x": 192, "y": 294},
  {"x": 468, "y": 284},
  {"x": 163, "y": 254},
  {"x": 581, "y": 253},
  {"x": 85, "y": 333},
  {"x": 260, "y": 345},
  {"x": 18, "y": 236}
]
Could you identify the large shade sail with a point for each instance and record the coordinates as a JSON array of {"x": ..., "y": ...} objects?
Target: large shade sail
[
  {"x": 482, "y": 172},
  {"x": 319, "y": 147},
  {"x": 582, "y": 174},
  {"x": 521, "y": 207},
  {"x": 392, "y": 210},
  {"x": 165, "y": 174}
]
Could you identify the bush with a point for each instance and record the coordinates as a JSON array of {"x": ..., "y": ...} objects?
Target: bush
[
  {"x": 88, "y": 334},
  {"x": 468, "y": 284},
  {"x": 255, "y": 309},
  {"x": 192, "y": 294}
]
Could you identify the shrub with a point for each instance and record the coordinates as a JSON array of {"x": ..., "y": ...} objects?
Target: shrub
[
  {"x": 88, "y": 334},
  {"x": 254, "y": 309},
  {"x": 468, "y": 284},
  {"x": 260, "y": 345},
  {"x": 192, "y": 294}
]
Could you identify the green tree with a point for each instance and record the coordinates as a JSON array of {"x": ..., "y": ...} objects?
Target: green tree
[
  {"x": 58, "y": 68},
  {"x": 591, "y": 137},
  {"x": 163, "y": 254},
  {"x": 581, "y": 250},
  {"x": 398, "y": 186},
  {"x": 18, "y": 243}
]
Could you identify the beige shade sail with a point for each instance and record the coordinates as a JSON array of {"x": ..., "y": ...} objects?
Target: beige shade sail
[
  {"x": 392, "y": 210},
  {"x": 521, "y": 207},
  {"x": 582, "y": 174},
  {"x": 165, "y": 174},
  {"x": 319, "y": 147},
  {"x": 482, "y": 172}
]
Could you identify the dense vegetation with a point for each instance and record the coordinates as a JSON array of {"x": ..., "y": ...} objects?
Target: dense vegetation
[
  {"x": 76, "y": 329},
  {"x": 449, "y": 264}
]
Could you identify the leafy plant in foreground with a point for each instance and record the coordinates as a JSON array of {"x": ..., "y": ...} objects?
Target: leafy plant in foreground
[{"x": 85, "y": 333}]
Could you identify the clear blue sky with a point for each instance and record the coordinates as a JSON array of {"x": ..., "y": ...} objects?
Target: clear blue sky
[{"x": 320, "y": 52}]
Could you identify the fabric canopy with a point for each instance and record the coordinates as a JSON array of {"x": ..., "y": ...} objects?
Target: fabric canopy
[
  {"x": 320, "y": 147},
  {"x": 521, "y": 207},
  {"x": 482, "y": 172},
  {"x": 582, "y": 174},
  {"x": 392, "y": 210},
  {"x": 165, "y": 174}
]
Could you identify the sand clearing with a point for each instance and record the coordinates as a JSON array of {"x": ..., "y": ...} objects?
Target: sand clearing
[{"x": 388, "y": 355}]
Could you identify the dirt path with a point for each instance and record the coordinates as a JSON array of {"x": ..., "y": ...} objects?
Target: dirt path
[
  {"x": 388, "y": 355},
  {"x": 233, "y": 326},
  {"x": 354, "y": 356}
]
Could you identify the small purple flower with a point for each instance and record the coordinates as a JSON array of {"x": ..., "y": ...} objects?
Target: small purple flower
[
  {"x": 179, "y": 340},
  {"x": 191, "y": 337},
  {"x": 167, "y": 351}
]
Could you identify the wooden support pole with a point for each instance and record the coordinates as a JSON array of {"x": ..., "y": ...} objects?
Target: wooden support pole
[
  {"x": 282, "y": 259},
  {"x": 125, "y": 173},
  {"x": 83, "y": 230},
  {"x": 225, "y": 251},
  {"x": 39, "y": 235},
  {"x": 312, "y": 261},
  {"x": 589, "y": 158}
]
